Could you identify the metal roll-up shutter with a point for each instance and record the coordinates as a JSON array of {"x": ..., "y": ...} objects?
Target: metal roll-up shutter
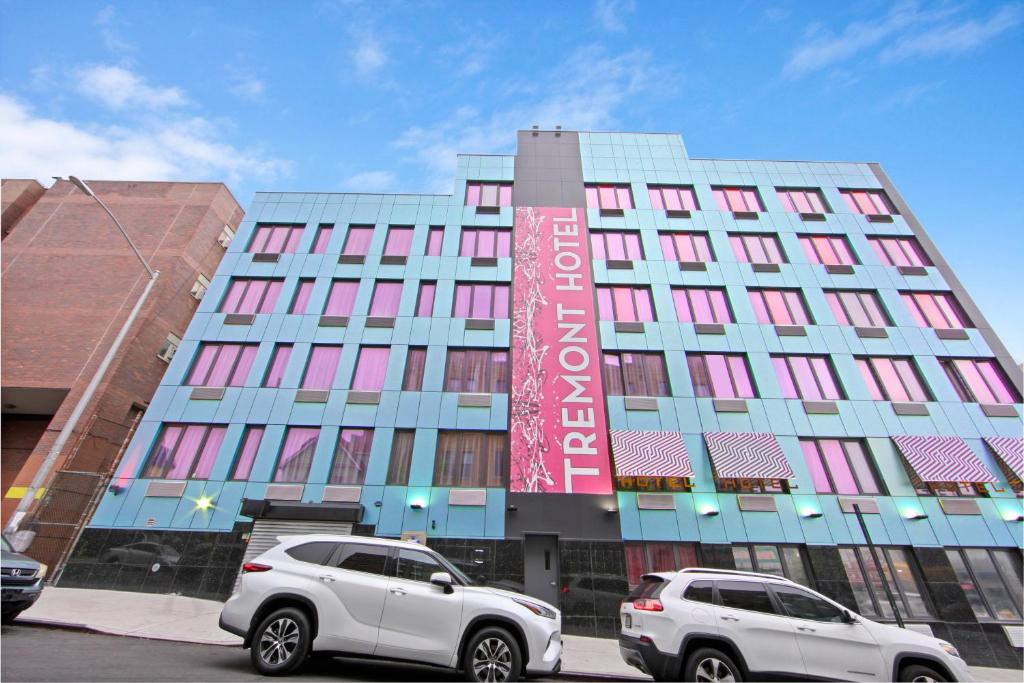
[{"x": 265, "y": 532}]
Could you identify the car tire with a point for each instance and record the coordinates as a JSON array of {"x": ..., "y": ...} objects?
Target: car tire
[
  {"x": 711, "y": 664},
  {"x": 919, "y": 673},
  {"x": 492, "y": 654},
  {"x": 281, "y": 642},
  {"x": 9, "y": 617}
]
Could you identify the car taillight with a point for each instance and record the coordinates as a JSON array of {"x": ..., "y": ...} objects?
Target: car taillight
[
  {"x": 648, "y": 605},
  {"x": 255, "y": 567}
]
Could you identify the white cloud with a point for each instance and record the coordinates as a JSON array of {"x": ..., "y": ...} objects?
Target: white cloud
[
  {"x": 248, "y": 88},
  {"x": 368, "y": 56},
  {"x": 106, "y": 20},
  {"x": 590, "y": 88},
  {"x": 369, "y": 181},
  {"x": 164, "y": 149},
  {"x": 956, "y": 37},
  {"x": 117, "y": 88},
  {"x": 608, "y": 13}
]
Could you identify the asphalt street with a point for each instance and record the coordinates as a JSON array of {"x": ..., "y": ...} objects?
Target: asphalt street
[{"x": 33, "y": 653}]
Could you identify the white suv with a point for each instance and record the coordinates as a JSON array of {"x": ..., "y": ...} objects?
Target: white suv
[
  {"x": 718, "y": 625},
  {"x": 380, "y": 598}
]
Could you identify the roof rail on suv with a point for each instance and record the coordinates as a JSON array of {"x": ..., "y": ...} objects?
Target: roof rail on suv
[{"x": 731, "y": 572}]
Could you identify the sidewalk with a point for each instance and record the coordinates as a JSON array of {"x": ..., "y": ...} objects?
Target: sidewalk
[{"x": 174, "y": 617}]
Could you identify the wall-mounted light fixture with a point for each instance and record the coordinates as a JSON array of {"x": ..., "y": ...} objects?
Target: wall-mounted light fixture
[
  {"x": 811, "y": 514},
  {"x": 377, "y": 503},
  {"x": 416, "y": 505},
  {"x": 916, "y": 515},
  {"x": 611, "y": 510},
  {"x": 512, "y": 508},
  {"x": 1013, "y": 517},
  {"x": 116, "y": 489},
  {"x": 708, "y": 511}
]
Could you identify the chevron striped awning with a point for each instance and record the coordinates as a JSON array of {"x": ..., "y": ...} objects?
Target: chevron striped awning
[
  {"x": 1010, "y": 451},
  {"x": 747, "y": 455},
  {"x": 942, "y": 459},
  {"x": 650, "y": 454}
]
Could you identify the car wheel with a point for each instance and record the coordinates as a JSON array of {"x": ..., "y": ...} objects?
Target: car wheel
[
  {"x": 8, "y": 617},
  {"x": 711, "y": 664},
  {"x": 281, "y": 642},
  {"x": 918, "y": 673},
  {"x": 492, "y": 654}
]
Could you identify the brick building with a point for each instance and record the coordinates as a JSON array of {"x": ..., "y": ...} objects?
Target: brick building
[
  {"x": 69, "y": 280},
  {"x": 596, "y": 357}
]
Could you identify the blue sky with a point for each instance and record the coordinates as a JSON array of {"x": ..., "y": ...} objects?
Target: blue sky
[{"x": 343, "y": 95}]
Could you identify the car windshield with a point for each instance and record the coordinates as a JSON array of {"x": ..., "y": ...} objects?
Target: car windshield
[
  {"x": 6, "y": 546},
  {"x": 456, "y": 572}
]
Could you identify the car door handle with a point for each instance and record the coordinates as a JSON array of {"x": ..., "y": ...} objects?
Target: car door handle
[
  {"x": 806, "y": 629},
  {"x": 730, "y": 618},
  {"x": 327, "y": 578},
  {"x": 397, "y": 591}
]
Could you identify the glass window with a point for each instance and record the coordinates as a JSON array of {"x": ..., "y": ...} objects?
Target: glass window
[
  {"x": 899, "y": 251},
  {"x": 321, "y": 367},
  {"x": 625, "y": 304},
  {"x": 278, "y": 364},
  {"x": 868, "y": 590},
  {"x": 720, "y": 375},
  {"x": 810, "y": 378},
  {"x": 868, "y": 202},
  {"x": 616, "y": 246},
  {"x": 184, "y": 451},
  {"x": 477, "y": 371},
  {"x": 939, "y": 310},
  {"x": 802, "y": 605},
  {"x": 488, "y": 194},
  {"x": 222, "y": 365},
  {"x": 828, "y": 250},
  {"x": 644, "y": 558},
  {"x": 739, "y": 199},
  {"x": 317, "y": 552},
  {"x": 752, "y": 248},
  {"x": 425, "y": 300},
  {"x": 415, "y": 362},
  {"x": 785, "y": 561},
  {"x": 697, "y": 305},
  {"x": 672, "y": 198},
  {"x": 359, "y": 557},
  {"x": 779, "y": 307},
  {"x": 296, "y": 455},
  {"x": 323, "y": 238},
  {"x": 401, "y": 457},
  {"x": 248, "y": 295},
  {"x": 435, "y": 238},
  {"x": 612, "y": 197},
  {"x": 387, "y": 295},
  {"x": 414, "y": 565},
  {"x": 275, "y": 239},
  {"x": 840, "y": 466},
  {"x": 892, "y": 379},
  {"x": 250, "y": 445},
  {"x": 398, "y": 242},
  {"x": 480, "y": 300},
  {"x": 748, "y": 595},
  {"x": 700, "y": 591},
  {"x": 686, "y": 247},
  {"x": 635, "y": 374},
  {"x": 798, "y": 200},
  {"x": 991, "y": 579},
  {"x": 486, "y": 242},
  {"x": 467, "y": 458},
  {"x": 342, "y": 297},
  {"x": 979, "y": 380},
  {"x": 300, "y": 301},
  {"x": 860, "y": 308},
  {"x": 351, "y": 455},
  {"x": 357, "y": 241},
  {"x": 371, "y": 368}
]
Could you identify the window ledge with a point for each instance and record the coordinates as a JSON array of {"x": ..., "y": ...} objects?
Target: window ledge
[
  {"x": 484, "y": 261},
  {"x": 207, "y": 393},
  {"x": 266, "y": 257},
  {"x": 618, "y": 264},
  {"x": 879, "y": 218},
  {"x": 871, "y": 332},
  {"x": 790, "y": 331},
  {"x": 951, "y": 334},
  {"x": 998, "y": 410},
  {"x": 745, "y": 215},
  {"x": 912, "y": 409},
  {"x": 677, "y": 213},
  {"x": 709, "y": 328},
  {"x": 839, "y": 269},
  {"x": 352, "y": 258},
  {"x": 641, "y": 403},
  {"x": 629, "y": 327},
  {"x": 821, "y": 408},
  {"x": 393, "y": 260},
  {"x": 912, "y": 270},
  {"x": 491, "y": 210},
  {"x": 380, "y": 321},
  {"x": 729, "y": 405},
  {"x": 342, "y": 494},
  {"x": 312, "y": 396},
  {"x": 333, "y": 321},
  {"x": 363, "y": 397},
  {"x": 473, "y": 400},
  {"x": 693, "y": 265},
  {"x": 239, "y": 319},
  {"x": 613, "y": 212},
  {"x": 765, "y": 267},
  {"x": 479, "y": 323},
  {"x": 812, "y": 217}
]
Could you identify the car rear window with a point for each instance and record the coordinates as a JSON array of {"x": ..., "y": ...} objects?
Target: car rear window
[
  {"x": 700, "y": 591},
  {"x": 650, "y": 587},
  {"x": 317, "y": 552}
]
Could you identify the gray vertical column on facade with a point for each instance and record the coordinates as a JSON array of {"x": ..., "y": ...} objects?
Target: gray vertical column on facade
[{"x": 1007, "y": 362}]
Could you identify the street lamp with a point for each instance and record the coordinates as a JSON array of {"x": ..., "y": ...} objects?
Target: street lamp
[{"x": 65, "y": 433}]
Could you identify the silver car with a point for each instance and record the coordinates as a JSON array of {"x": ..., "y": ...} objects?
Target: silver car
[{"x": 21, "y": 581}]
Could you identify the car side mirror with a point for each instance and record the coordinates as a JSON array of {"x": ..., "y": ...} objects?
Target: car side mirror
[
  {"x": 443, "y": 579},
  {"x": 848, "y": 617}
]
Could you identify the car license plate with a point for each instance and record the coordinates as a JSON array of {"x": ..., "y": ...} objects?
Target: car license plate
[{"x": 627, "y": 620}]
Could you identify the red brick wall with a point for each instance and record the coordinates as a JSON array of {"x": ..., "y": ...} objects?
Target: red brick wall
[{"x": 16, "y": 197}]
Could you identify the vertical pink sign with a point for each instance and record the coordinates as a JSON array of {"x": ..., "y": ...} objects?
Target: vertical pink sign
[{"x": 559, "y": 429}]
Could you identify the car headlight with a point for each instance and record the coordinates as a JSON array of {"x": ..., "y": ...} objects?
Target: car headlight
[
  {"x": 42, "y": 571},
  {"x": 539, "y": 610},
  {"x": 950, "y": 650}
]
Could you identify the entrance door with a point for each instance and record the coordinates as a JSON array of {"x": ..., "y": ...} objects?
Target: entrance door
[{"x": 541, "y": 567}]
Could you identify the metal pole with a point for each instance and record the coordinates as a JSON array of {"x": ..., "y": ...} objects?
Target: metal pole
[
  {"x": 878, "y": 565},
  {"x": 65, "y": 433}
]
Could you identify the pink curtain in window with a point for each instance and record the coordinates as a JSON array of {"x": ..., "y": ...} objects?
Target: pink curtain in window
[
  {"x": 597, "y": 246},
  {"x": 504, "y": 244},
  {"x": 593, "y": 202},
  {"x": 782, "y": 373},
  {"x": 472, "y": 194},
  {"x": 435, "y": 238},
  {"x": 386, "y": 298},
  {"x": 605, "y": 307},
  {"x": 485, "y": 243},
  {"x": 202, "y": 364},
  {"x": 259, "y": 239},
  {"x": 247, "y": 453},
  {"x": 163, "y": 452},
  {"x": 657, "y": 203},
  {"x": 624, "y": 197},
  {"x": 399, "y": 242},
  {"x": 721, "y": 201},
  {"x": 839, "y": 467},
  {"x": 489, "y": 195},
  {"x": 302, "y": 294},
  {"x": 296, "y": 454},
  {"x": 342, "y": 297},
  {"x": 616, "y": 245},
  {"x": 625, "y": 309},
  {"x": 234, "y": 296},
  {"x": 209, "y": 453},
  {"x": 278, "y": 364},
  {"x": 869, "y": 379},
  {"x": 463, "y": 297},
  {"x": 500, "y": 302},
  {"x": 482, "y": 301},
  {"x": 357, "y": 243},
  {"x": 505, "y": 195},
  {"x": 323, "y": 238},
  {"x": 244, "y": 365},
  {"x": 816, "y": 466},
  {"x": 186, "y": 452},
  {"x": 996, "y": 381},
  {"x": 223, "y": 365},
  {"x": 415, "y": 362},
  {"x": 468, "y": 245},
  {"x": 606, "y": 194},
  {"x": 371, "y": 367},
  {"x": 425, "y": 305},
  {"x": 252, "y": 299},
  {"x": 322, "y": 366}
]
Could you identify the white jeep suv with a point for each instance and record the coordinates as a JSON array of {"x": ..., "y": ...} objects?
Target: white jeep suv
[
  {"x": 381, "y": 598},
  {"x": 718, "y": 625}
]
